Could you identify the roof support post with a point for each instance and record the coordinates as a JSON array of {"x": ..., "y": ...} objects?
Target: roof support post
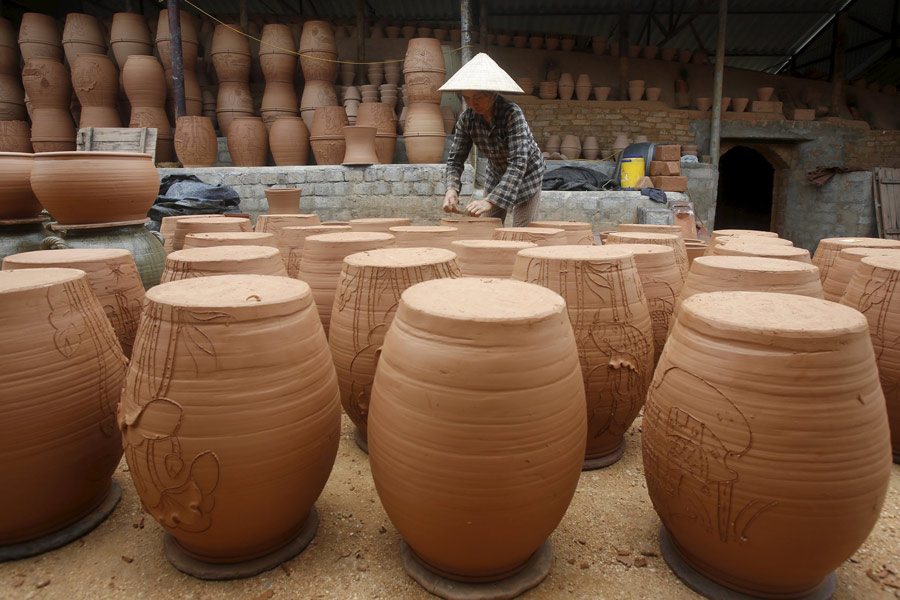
[
  {"x": 625, "y": 7},
  {"x": 839, "y": 51},
  {"x": 715, "y": 125},
  {"x": 361, "y": 40},
  {"x": 465, "y": 18},
  {"x": 483, "y": 25},
  {"x": 177, "y": 65}
]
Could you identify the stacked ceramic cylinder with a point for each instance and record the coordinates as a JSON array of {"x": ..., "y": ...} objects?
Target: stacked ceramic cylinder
[
  {"x": 15, "y": 133},
  {"x": 278, "y": 62},
  {"x": 231, "y": 60},
  {"x": 49, "y": 89},
  {"x": 351, "y": 99},
  {"x": 193, "y": 97},
  {"x": 318, "y": 61},
  {"x": 144, "y": 81},
  {"x": 424, "y": 71}
]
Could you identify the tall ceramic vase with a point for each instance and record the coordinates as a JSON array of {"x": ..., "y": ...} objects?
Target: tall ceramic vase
[
  {"x": 289, "y": 141},
  {"x": 460, "y": 384},
  {"x": 741, "y": 502},
  {"x": 96, "y": 84},
  {"x": 144, "y": 81},
  {"x": 58, "y": 440},
  {"x": 367, "y": 297},
  {"x": 48, "y": 86},
  {"x": 195, "y": 141},
  {"x": 248, "y": 142},
  {"x": 611, "y": 320},
  {"x": 230, "y": 418}
]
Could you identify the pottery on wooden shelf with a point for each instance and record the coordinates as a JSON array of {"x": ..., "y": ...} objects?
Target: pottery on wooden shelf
[
  {"x": 571, "y": 147},
  {"x": 290, "y": 240},
  {"x": 378, "y": 224},
  {"x": 232, "y": 381},
  {"x": 366, "y": 299},
  {"x": 665, "y": 239},
  {"x": 828, "y": 250},
  {"x": 590, "y": 150},
  {"x": 96, "y": 84},
  {"x": 486, "y": 257},
  {"x": 542, "y": 236},
  {"x": 95, "y": 187},
  {"x": 322, "y": 261},
  {"x": 845, "y": 266},
  {"x": 195, "y": 141},
  {"x": 248, "y": 142},
  {"x": 742, "y": 246},
  {"x": 466, "y": 410},
  {"x": 704, "y": 103},
  {"x": 739, "y": 104},
  {"x": 283, "y": 201},
  {"x": 17, "y": 200},
  {"x": 129, "y": 35},
  {"x": 39, "y": 36},
  {"x": 611, "y": 321},
  {"x": 228, "y": 238},
  {"x": 764, "y": 94},
  {"x": 420, "y": 236},
  {"x": 473, "y": 228},
  {"x": 289, "y": 141},
  {"x": 223, "y": 260},
  {"x": 577, "y": 232},
  {"x": 737, "y": 367},
  {"x": 204, "y": 224},
  {"x": 59, "y": 447}
]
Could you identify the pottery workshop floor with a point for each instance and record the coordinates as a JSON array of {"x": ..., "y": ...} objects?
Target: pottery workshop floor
[{"x": 604, "y": 548}]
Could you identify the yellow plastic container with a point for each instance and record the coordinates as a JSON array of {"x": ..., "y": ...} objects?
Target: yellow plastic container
[{"x": 632, "y": 171}]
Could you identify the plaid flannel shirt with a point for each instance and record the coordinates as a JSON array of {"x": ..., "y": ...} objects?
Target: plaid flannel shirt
[{"x": 515, "y": 163}]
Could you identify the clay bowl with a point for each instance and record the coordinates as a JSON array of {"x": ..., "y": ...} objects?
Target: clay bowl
[
  {"x": 17, "y": 201},
  {"x": 95, "y": 187}
]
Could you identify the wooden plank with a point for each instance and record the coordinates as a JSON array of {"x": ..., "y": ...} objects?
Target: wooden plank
[
  {"x": 117, "y": 139},
  {"x": 877, "y": 200},
  {"x": 886, "y": 188}
]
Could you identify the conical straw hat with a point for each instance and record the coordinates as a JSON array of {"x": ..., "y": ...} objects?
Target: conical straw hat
[{"x": 481, "y": 73}]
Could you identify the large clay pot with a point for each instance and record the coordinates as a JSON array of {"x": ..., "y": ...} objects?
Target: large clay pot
[
  {"x": 283, "y": 201},
  {"x": 486, "y": 257},
  {"x": 15, "y": 136},
  {"x": 95, "y": 187},
  {"x": 279, "y": 100},
  {"x": 720, "y": 235},
  {"x": 82, "y": 34},
  {"x": 129, "y": 35},
  {"x": 326, "y": 135},
  {"x": 232, "y": 379},
  {"x": 447, "y": 513},
  {"x": 290, "y": 242},
  {"x": 248, "y": 142},
  {"x": 664, "y": 239},
  {"x": 195, "y": 141},
  {"x": 52, "y": 130},
  {"x": 188, "y": 40},
  {"x": 649, "y": 228},
  {"x": 17, "y": 200},
  {"x": 96, "y": 83},
  {"x": 144, "y": 81},
  {"x": 571, "y": 147},
  {"x": 276, "y": 53},
  {"x": 47, "y": 83},
  {"x": 423, "y": 54},
  {"x": 421, "y": 236},
  {"x": 223, "y": 260},
  {"x": 229, "y": 238},
  {"x": 473, "y": 228},
  {"x": 738, "y": 367},
  {"x": 322, "y": 261},
  {"x": 367, "y": 297},
  {"x": 542, "y": 236},
  {"x": 747, "y": 247},
  {"x": 318, "y": 52},
  {"x": 58, "y": 441},
  {"x": 275, "y": 223},
  {"x": 316, "y": 94},
  {"x": 112, "y": 275},
  {"x": 205, "y": 224},
  {"x": 828, "y": 249},
  {"x": 748, "y": 239},
  {"x": 378, "y": 224},
  {"x": 577, "y": 232},
  {"x": 289, "y": 141},
  {"x": 12, "y": 98},
  {"x": 611, "y": 321},
  {"x": 234, "y": 100},
  {"x": 871, "y": 291},
  {"x": 845, "y": 266},
  {"x": 230, "y": 54},
  {"x": 359, "y": 146},
  {"x": 39, "y": 36}
]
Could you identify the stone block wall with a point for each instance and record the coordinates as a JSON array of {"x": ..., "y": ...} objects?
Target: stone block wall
[{"x": 603, "y": 210}]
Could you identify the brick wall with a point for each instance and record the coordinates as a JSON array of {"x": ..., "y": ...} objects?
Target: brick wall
[{"x": 874, "y": 149}]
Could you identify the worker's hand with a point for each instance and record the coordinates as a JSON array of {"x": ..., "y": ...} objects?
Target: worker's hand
[
  {"x": 451, "y": 201},
  {"x": 476, "y": 208}
]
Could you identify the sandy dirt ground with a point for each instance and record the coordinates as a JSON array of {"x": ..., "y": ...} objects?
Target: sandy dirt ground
[{"x": 605, "y": 548}]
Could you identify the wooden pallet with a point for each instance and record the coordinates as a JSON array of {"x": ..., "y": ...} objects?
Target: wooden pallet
[
  {"x": 117, "y": 139},
  {"x": 886, "y": 188}
]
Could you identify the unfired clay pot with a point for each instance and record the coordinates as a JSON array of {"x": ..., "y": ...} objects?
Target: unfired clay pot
[
  {"x": 203, "y": 224},
  {"x": 318, "y": 52},
  {"x": 195, "y": 141},
  {"x": 378, "y": 224},
  {"x": 283, "y": 201},
  {"x": 432, "y": 396},
  {"x": 82, "y": 34},
  {"x": 577, "y": 232},
  {"x": 289, "y": 141},
  {"x": 742, "y": 246},
  {"x": 665, "y": 239},
  {"x": 611, "y": 321},
  {"x": 360, "y": 146},
  {"x": 740, "y": 501},
  {"x": 542, "y": 236},
  {"x": 828, "y": 249},
  {"x": 591, "y": 148},
  {"x": 275, "y": 223},
  {"x": 112, "y": 275},
  {"x": 326, "y": 135},
  {"x": 39, "y": 36},
  {"x": 420, "y": 236},
  {"x": 231, "y": 388},
  {"x": 248, "y": 142},
  {"x": 129, "y": 35},
  {"x": 739, "y": 104},
  {"x": 223, "y": 260},
  {"x": 17, "y": 200},
  {"x": 230, "y": 54},
  {"x": 487, "y": 258},
  {"x": 367, "y": 297},
  {"x": 229, "y": 238},
  {"x": 290, "y": 240},
  {"x": 473, "y": 228},
  {"x": 764, "y": 94},
  {"x": 649, "y": 228},
  {"x": 58, "y": 440},
  {"x": 845, "y": 266},
  {"x": 144, "y": 82},
  {"x": 96, "y": 84},
  {"x": 15, "y": 136},
  {"x": 722, "y": 234}
]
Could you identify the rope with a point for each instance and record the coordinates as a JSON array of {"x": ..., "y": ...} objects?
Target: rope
[{"x": 296, "y": 53}]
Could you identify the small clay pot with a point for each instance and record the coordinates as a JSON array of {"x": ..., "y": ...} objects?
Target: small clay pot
[
  {"x": 635, "y": 93},
  {"x": 739, "y": 104},
  {"x": 195, "y": 141},
  {"x": 248, "y": 142},
  {"x": 653, "y": 94},
  {"x": 360, "y": 145},
  {"x": 764, "y": 94},
  {"x": 704, "y": 104},
  {"x": 283, "y": 201},
  {"x": 542, "y": 236},
  {"x": 601, "y": 93}
]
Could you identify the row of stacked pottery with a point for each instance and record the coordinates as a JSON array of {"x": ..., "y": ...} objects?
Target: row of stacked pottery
[
  {"x": 542, "y": 236},
  {"x": 737, "y": 367},
  {"x": 12, "y": 96},
  {"x": 487, "y": 258},
  {"x": 382, "y": 118},
  {"x": 291, "y": 239},
  {"x": 326, "y": 134},
  {"x": 424, "y": 71},
  {"x": 248, "y": 142},
  {"x": 289, "y": 141},
  {"x": 231, "y": 60},
  {"x": 144, "y": 81},
  {"x": 446, "y": 511},
  {"x": 366, "y": 299},
  {"x": 829, "y": 248},
  {"x": 318, "y": 61},
  {"x": 58, "y": 442},
  {"x": 845, "y": 266},
  {"x": 258, "y": 399},
  {"x": 611, "y": 321},
  {"x": 222, "y": 260},
  {"x": 278, "y": 62},
  {"x": 48, "y": 86},
  {"x": 195, "y": 141},
  {"x": 193, "y": 97}
]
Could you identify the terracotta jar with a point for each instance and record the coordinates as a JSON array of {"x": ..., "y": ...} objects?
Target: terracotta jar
[
  {"x": 12, "y": 98},
  {"x": 694, "y": 249},
  {"x": 279, "y": 100},
  {"x": 845, "y": 266},
  {"x": 653, "y": 94},
  {"x": 378, "y": 224},
  {"x": 583, "y": 86},
  {"x": 234, "y": 100},
  {"x": 871, "y": 291},
  {"x": 195, "y": 141},
  {"x": 129, "y": 35},
  {"x": 542, "y": 236},
  {"x": 566, "y": 86},
  {"x": 17, "y": 200},
  {"x": 828, "y": 249},
  {"x": 547, "y": 90},
  {"x": 290, "y": 242},
  {"x": 47, "y": 83},
  {"x": 764, "y": 94},
  {"x": 704, "y": 104},
  {"x": 737, "y": 367},
  {"x": 232, "y": 379},
  {"x": 721, "y": 234},
  {"x": 205, "y": 224},
  {"x": 52, "y": 130},
  {"x": 275, "y": 223},
  {"x": 380, "y": 116},
  {"x": 230, "y": 54},
  {"x": 276, "y": 53},
  {"x": 283, "y": 201},
  {"x": 419, "y": 236},
  {"x": 95, "y": 187},
  {"x": 611, "y": 321},
  {"x": 367, "y": 297},
  {"x": 82, "y": 34},
  {"x": 663, "y": 239},
  {"x": 322, "y": 261},
  {"x": 487, "y": 258},
  {"x": 223, "y": 260},
  {"x": 144, "y": 81},
  {"x": 316, "y": 94},
  {"x": 512, "y": 327},
  {"x": 318, "y": 52},
  {"x": 229, "y": 238},
  {"x": 58, "y": 441},
  {"x": 739, "y": 104},
  {"x": 360, "y": 146},
  {"x": 289, "y": 141},
  {"x": 747, "y": 247},
  {"x": 326, "y": 135},
  {"x": 248, "y": 142},
  {"x": 591, "y": 148},
  {"x": 188, "y": 40},
  {"x": 577, "y": 232},
  {"x": 553, "y": 143},
  {"x": 112, "y": 275},
  {"x": 473, "y": 228},
  {"x": 39, "y": 36},
  {"x": 571, "y": 147},
  {"x": 96, "y": 83}
]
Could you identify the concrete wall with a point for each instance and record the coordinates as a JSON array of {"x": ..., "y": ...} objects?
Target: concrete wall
[{"x": 603, "y": 210}]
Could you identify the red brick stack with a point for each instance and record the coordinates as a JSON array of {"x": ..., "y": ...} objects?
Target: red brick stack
[{"x": 665, "y": 169}]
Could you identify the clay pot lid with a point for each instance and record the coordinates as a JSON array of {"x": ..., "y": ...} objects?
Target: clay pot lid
[
  {"x": 759, "y": 232},
  {"x": 482, "y": 300},
  {"x": 548, "y": 231},
  {"x": 749, "y": 247},
  {"x": 68, "y": 255},
  {"x": 864, "y": 242},
  {"x": 890, "y": 262},
  {"x": 400, "y": 257},
  {"x": 642, "y": 235},
  {"x": 223, "y": 253},
  {"x": 423, "y": 229},
  {"x": 598, "y": 253},
  {"x": 756, "y": 264},
  {"x": 231, "y": 291},
  {"x": 565, "y": 225},
  {"x": 19, "y": 280},
  {"x": 233, "y": 235},
  {"x": 349, "y": 237},
  {"x": 647, "y": 249},
  {"x": 520, "y": 245}
]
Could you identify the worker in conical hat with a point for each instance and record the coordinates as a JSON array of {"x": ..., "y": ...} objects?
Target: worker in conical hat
[{"x": 499, "y": 130}]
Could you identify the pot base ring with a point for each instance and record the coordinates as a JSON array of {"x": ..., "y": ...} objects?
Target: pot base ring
[
  {"x": 715, "y": 591},
  {"x": 534, "y": 572},
  {"x": 360, "y": 440},
  {"x": 604, "y": 461},
  {"x": 30, "y": 221},
  {"x": 69, "y": 534},
  {"x": 218, "y": 571},
  {"x": 63, "y": 227}
]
